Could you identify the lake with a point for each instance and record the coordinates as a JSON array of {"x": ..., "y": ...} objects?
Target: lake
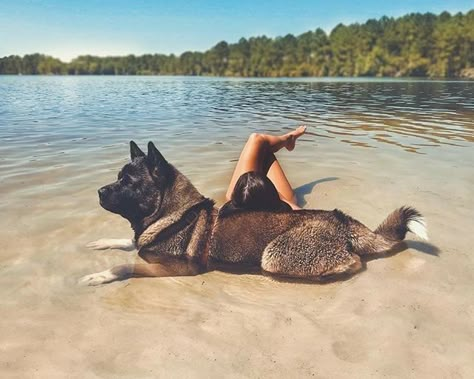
[{"x": 371, "y": 145}]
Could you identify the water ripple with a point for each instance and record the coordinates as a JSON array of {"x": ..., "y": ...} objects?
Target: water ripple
[{"x": 42, "y": 115}]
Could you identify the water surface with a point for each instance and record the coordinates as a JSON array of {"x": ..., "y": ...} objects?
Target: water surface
[{"x": 371, "y": 146}]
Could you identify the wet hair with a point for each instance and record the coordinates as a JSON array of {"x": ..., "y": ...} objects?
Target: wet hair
[{"x": 254, "y": 191}]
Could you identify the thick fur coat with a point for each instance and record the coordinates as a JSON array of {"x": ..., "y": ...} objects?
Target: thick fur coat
[{"x": 179, "y": 232}]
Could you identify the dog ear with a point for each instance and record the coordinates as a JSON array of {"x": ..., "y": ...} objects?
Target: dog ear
[
  {"x": 135, "y": 151},
  {"x": 154, "y": 156}
]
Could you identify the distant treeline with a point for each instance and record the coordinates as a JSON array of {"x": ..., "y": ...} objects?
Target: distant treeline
[{"x": 413, "y": 45}]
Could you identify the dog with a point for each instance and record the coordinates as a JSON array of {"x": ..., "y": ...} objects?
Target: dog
[{"x": 178, "y": 231}]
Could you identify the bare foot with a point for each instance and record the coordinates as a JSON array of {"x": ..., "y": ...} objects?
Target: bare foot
[{"x": 293, "y": 136}]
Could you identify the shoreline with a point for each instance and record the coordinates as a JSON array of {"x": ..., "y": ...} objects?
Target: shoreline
[{"x": 460, "y": 78}]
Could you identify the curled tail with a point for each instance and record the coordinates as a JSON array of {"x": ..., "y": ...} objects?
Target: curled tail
[
  {"x": 401, "y": 221},
  {"x": 389, "y": 233}
]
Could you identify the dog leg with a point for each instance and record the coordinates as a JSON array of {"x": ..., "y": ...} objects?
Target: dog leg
[
  {"x": 116, "y": 273},
  {"x": 309, "y": 252},
  {"x": 140, "y": 270},
  {"x": 107, "y": 243}
]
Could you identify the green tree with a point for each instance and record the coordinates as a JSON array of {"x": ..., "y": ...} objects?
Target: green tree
[{"x": 412, "y": 45}]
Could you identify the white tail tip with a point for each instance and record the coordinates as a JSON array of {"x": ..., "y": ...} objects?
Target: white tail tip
[{"x": 418, "y": 226}]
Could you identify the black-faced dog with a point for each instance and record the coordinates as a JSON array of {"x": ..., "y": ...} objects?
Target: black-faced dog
[{"x": 180, "y": 232}]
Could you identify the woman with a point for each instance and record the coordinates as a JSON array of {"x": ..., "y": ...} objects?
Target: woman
[{"x": 258, "y": 181}]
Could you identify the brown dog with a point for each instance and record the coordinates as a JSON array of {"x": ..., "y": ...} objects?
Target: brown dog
[{"x": 180, "y": 232}]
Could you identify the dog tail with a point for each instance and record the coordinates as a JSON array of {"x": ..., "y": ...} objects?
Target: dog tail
[
  {"x": 389, "y": 233},
  {"x": 401, "y": 221}
]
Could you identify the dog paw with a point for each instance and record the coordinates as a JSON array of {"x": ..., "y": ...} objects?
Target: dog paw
[
  {"x": 107, "y": 243},
  {"x": 101, "y": 244},
  {"x": 98, "y": 278}
]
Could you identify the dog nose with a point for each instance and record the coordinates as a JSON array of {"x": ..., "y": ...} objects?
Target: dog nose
[{"x": 102, "y": 191}]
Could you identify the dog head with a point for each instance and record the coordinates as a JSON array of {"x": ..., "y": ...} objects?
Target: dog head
[{"x": 139, "y": 189}]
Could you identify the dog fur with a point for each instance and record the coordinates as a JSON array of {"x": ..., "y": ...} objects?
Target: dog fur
[{"x": 180, "y": 232}]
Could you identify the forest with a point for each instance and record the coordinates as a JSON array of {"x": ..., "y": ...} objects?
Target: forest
[{"x": 414, "y": 45}]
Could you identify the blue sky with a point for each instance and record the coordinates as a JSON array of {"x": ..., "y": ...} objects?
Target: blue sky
[{"x": 66, "y": 29}]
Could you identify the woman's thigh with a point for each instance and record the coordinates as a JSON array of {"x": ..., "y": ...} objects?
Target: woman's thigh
[
  {"x": 277, "y": 176},
  {"x": 251, "y": 159}
]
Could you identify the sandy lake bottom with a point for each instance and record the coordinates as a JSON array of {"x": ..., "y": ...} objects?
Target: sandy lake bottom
[{"x": 371, "y": 147}]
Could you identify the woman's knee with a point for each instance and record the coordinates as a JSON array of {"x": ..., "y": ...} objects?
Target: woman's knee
[{"x": 256, "y": 139}]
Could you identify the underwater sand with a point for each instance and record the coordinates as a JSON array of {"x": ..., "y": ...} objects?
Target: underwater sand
[{"x": 371, "y": 146}]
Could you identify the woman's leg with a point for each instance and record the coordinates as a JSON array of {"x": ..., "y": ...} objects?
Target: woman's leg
[
  {"x": 257, "y": 155},
  {"x": 251, "y": 159},
  {"x": 276, "y": 174}
]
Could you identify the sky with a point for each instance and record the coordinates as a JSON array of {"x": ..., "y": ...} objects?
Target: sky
[{"x": 66, "y": 29}]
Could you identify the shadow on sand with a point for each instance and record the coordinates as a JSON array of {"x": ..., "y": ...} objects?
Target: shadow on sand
[
  {"x": 421, "y": 246},
  {"x": 307, "y": 188}
]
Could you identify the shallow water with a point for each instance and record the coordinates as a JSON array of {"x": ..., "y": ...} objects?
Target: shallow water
[{"x": 371, "y": 146}]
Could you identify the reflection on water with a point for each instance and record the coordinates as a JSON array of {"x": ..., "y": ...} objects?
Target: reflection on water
[{"x": 67, "y": 110}]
